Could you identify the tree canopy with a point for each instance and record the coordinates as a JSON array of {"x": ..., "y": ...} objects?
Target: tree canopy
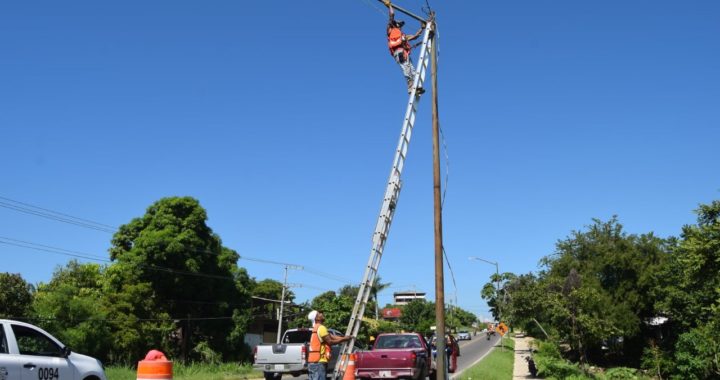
[{"x": 15, "y": 296}]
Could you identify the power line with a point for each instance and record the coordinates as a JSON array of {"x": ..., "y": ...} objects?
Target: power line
[
  {"x": 27, "y": 208},
  {"x": 268, "y": 261},
  {"x": 372, "y": 5},
  {"x": 329, "y": 276},
  {"x": 311, "y": 271},
  {"x": 82, "y": 255},
  {"x": 168, "y": 319},
  {"x": 90, "y": 224},
  {"x": 87, "y": 256}
]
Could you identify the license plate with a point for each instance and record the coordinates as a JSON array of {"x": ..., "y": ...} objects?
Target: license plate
[
  {"x": 385, "y": 374},
  {"x": 279, "y": 366}
]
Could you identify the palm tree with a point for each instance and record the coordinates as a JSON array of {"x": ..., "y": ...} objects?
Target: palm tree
[{"x": 376, "y": 288}]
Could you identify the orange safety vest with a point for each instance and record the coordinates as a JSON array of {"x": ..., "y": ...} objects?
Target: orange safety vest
[
  {"x": 316, "y": 345},
  {"x": 396, "y": 41}
]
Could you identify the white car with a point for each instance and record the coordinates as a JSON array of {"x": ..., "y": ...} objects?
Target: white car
[
  {"x": 464, "y": 335},
  {"x": 29, "y": 352}
]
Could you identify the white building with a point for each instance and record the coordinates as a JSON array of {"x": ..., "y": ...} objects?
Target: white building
[{"x": 403, "y": 298}]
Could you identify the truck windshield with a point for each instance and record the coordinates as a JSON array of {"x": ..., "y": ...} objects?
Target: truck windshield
[{"x": 297, "y": 336}]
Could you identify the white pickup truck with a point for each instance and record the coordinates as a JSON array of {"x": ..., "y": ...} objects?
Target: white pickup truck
[
  {"x": 28, "y": 352},
  {"x": 290, "y": 356}
]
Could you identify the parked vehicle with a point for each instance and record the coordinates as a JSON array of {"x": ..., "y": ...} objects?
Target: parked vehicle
[
  {"x": 395, "y": 356},
  {"x": 290, "y": 356},
  {"x": 452, "y": 349},
  {"x": 29, "y": 352},
  {"x": 464, "y": 335}
]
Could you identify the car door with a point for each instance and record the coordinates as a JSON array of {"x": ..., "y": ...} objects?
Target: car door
[
  {"x": 41, "y": 357},
  {"x": 9, "y": 364}
]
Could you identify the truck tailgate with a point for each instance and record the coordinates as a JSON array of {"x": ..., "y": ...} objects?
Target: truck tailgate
[
  {"x": 280, "y": 353},
  {"x": 386, "y": 359}
]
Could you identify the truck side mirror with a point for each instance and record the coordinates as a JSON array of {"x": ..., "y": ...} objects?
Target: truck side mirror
[{"x": 66, "y": 351}]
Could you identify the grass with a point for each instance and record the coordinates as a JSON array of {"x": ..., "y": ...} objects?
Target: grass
[
  {"x": 226, "y": 371},
  {"x": 498, "y": 365}
]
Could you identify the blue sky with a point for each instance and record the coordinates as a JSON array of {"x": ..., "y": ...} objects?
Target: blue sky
[{"x": 282, "y": 118}]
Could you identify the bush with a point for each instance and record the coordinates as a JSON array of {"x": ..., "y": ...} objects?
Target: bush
[
  {"x": 556, "y": 368},
  {"x": 548, "y": 349},
  {"x": 694, "y": 355},
  {"x": 621, "y": 373}
]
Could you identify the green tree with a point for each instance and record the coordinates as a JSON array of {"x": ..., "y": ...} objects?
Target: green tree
[
  {"x": 691, "y": 296},
  {"x": 528, "y": 303},
  {"x": 172, "y": 284},
  {"x": 418, "y": 316},
  {"x": 15, "y": 296},
  {"x": 597, "y": 289},
  {"x": 495, "y": 293},
  {"x": 72, "y": 307},
  {"x": 336, "y": 307},
  {"x": 378, "y": 286}
]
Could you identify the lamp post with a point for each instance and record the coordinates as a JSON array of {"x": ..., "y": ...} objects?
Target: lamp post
[{"x": 497, "y": 288}]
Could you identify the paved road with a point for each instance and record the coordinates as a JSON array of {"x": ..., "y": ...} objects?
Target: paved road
[{"x": 471, "y": 351}]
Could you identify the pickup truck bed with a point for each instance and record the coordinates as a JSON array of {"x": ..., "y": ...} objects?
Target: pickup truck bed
[{"x": 290, "y": 356}]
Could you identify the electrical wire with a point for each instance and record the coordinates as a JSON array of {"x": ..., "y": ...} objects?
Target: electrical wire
[
  {"x": 87, "y": 256},
  {"x": 87, "y": 223},
  {"x": 301, "y": 268},
  {"x": 452, "y": 274},
  {"x": 82, "y": 255},
  {"x": 169, "y": 319},
  {"x": 269, "y": 261},
  {"x": 374, "y": 6},
  {"x": 58, "y": 213},
  {"x": 53, "y": 215}
]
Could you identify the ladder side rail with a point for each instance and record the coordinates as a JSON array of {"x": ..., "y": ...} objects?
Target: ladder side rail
[
  {"x": 424, "y": 55},
  {"x": 386, "y": 212}
]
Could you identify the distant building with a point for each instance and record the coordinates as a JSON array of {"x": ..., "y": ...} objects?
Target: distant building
[{"x": 403, "y": 298}]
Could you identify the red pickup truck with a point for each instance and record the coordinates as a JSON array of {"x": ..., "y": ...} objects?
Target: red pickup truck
[{"x": 395, "y": 356}]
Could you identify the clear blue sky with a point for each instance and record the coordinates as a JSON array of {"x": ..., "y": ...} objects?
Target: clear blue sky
[{"x": 281, "y": 117}]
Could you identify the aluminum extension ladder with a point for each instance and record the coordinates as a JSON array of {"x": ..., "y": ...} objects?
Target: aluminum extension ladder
[{"x": 388, "y": 205}]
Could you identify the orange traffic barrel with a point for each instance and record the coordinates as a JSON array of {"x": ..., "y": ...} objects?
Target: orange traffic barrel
[
  {"x": 155, "y": 366},
  {"x": 350, "y": 370}
]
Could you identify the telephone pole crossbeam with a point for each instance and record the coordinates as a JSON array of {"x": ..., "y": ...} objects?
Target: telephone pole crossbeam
[{"x": 405, "y": 11}]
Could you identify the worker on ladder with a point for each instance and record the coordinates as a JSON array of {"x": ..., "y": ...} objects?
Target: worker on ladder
[{"x": 399, "y": 45}]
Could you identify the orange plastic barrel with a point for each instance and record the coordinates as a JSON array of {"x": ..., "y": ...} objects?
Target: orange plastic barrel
[
  {"x": 155, "y": 366},
  {"x": 350, "y": 370}
]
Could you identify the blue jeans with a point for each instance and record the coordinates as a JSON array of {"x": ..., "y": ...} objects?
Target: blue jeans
[{"x": 316, "y": 371}]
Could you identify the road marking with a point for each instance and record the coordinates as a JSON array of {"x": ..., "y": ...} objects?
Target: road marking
[{"x": 457, "y": 375}]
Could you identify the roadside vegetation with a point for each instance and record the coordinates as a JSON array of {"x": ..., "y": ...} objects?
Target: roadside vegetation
[
  {"x": 627, "y": 302},
  {"x": 498, "y": 365},
  {"x": 171, "y": 285},
  {"x": 194, "y": 371}
]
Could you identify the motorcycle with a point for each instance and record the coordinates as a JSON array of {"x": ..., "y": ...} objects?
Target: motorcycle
[{"x": 531, "y": 366}]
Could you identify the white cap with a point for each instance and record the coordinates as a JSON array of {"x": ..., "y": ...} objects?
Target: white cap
[{"x": 312, "y": 315}]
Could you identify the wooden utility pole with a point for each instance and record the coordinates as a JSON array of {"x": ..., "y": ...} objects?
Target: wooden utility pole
[{"x": 441, "y": 362}]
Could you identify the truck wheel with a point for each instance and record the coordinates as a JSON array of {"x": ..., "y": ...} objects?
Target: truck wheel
[
  {"x": 424, "y": 372},
  {"x": 272, "y": 375}
]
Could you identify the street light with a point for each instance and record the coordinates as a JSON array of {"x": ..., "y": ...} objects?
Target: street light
[
  {"x": 497, "y": 287},
  {"x": 497, "y": 271}
]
